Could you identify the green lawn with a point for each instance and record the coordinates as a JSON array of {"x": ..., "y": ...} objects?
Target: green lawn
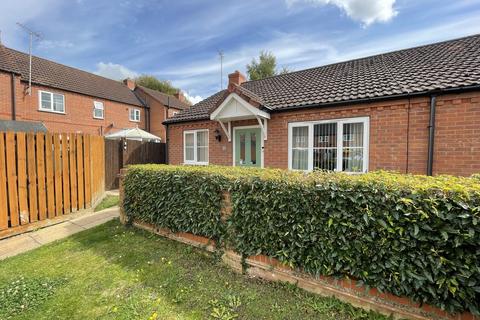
[
  {"x": 107, "y": 202},
  {"x": 112, "y": 272}
]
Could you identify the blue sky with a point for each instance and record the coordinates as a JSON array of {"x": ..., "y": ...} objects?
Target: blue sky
[{"x": 178, "y": 40}]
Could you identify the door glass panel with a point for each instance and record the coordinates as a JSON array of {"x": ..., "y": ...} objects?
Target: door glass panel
[
  {"x": 325, "y": 146},
  {"x": 253, "y": 148},
  {"x": 300, "y": 148},
  {"x": 202, "y": 146},
  {"x": 353, "y": 147},
  {"x": 242, "y": 148}
]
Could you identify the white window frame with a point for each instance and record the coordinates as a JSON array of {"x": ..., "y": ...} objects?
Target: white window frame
[
  {"x": 136, "y": 112},
  {"x": 40, "y": 108},
  {"x": 340, "y": 123},
  {"x": 98, "y": 105},
  {"x": 195, "y": 147}
]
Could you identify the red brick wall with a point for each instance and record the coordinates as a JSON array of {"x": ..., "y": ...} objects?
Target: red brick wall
[
  {"x": 398, "y": 134},
  {"x": 78, "y": 115},
  {"x": 158, "y": 114}
]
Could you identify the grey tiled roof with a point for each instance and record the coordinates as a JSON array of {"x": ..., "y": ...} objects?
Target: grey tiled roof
[
  {"x": 201, "y": 110},
  {"x": 444, "y": 65},
  {"x": 55, "y": 75},
  {"x": 165, "y": 99},
  {"x": 22, "y": 126}
]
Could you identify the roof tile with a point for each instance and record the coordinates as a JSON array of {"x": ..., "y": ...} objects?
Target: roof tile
[
  {"x": 443, "y": 65},
  {"x": 55, "y": 75}
]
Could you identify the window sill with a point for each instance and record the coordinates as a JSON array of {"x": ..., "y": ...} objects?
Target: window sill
[
  {"x": 195, "y": 163},
  {"x": 97, "y": 118},
  {"x": 52, "y": 111},
  {"x": 137, "y": 121}
]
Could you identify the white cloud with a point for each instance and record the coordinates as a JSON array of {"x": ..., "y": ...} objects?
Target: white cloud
[
  {"x": 365, "y": 11},
  {"x": 55, "y": 44},
  {"x": 193, "y": 99},
  {"x": 114, "y": 71}
]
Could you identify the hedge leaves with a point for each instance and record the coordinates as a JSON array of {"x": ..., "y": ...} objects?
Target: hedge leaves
[{"x": 413, "y": 236}]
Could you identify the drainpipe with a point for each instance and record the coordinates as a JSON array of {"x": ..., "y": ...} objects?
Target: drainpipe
[
  {"x": 166, "y": 143},
  {"x": 14, "y": 98},
  {"x": 431, "y": 134}
]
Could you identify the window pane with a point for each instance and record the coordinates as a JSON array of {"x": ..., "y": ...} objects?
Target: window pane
[
  {"x": 325, "y": 159},
  {"x": 353, "y": 147},
  {"x": 253, "y": 148},
  {"x": 299, "y": 148},
  {"x": 137, "y": 115},
  {"x": 98, "y": 113},
  {"x": 46, "y": 101},
  {"x": 325, "y": 146},
  {"x": 189, "y": 140},
  {"x": 58, "y": 103},
  {"x": 202, "y": 138},
  {"x": 300, "y": 159},
  {"x": 189, "y": 153},
  {"x": 300, "y": 137},
  {"x": 202, "y": 154}
]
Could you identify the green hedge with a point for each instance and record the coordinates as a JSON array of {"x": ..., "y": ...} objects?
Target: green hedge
[{"x": 413, "y": 236}]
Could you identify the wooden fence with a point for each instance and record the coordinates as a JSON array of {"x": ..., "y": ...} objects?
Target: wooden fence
[
  {"x": 43, "y": 176},
  {"x": 120, "y": 153}
]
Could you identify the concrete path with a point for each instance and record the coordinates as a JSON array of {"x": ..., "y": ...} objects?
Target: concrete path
[{"x": 18, "y": 244}]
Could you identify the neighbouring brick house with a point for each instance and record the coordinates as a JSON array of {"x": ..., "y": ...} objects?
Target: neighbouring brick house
[
  {"x": 162, "y": 106},
  {"x": 415, "y": 110},
  {"x": 66, "y": 99}
]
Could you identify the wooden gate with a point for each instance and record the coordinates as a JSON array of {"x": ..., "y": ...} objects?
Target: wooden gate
[
  {"x": 43, "y": 176},
  {"x": 119, "y": 153}
]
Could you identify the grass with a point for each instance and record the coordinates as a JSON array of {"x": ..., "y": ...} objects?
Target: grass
[
  {"x": 107, "y": 202},
  {"x": 114, "y": 272}
]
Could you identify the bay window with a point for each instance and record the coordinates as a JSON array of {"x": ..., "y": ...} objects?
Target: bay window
[
  {"x": 195, "y": 146},
  {"x": 335, "y": 145}
]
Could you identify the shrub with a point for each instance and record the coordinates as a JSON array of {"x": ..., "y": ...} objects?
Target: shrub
[
  {"x": 413, "y": 236},
  {"x": 175, "y": 198}
]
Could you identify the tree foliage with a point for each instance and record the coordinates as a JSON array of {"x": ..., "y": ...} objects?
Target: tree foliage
[
  {"x": 154, "y": 83},
  {"x": 265, "y": 67}
]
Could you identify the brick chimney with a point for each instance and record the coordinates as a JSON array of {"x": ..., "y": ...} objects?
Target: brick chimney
[
  {"x": 236, "y": 78},
  {"x": 129, "y": 83},
  {"x": 179, "y": 95}
]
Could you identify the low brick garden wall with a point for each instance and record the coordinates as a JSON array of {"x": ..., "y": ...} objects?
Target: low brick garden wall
[{"x": 201, "y": 207}]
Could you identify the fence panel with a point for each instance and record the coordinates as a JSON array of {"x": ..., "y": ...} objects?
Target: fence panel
[
  {"x": 43, "y": 176},
  {"x": 65, "y": 175},
  {"x": 22, "y": 177},
  {"x": 72, "y": 146},
  {"x": 42, "y": 187},
  {"x": 32, "y": 178},
  {"x": 119, "y": 153},
  {"x": 12, "y": 178},
  {"x": 3, "y": 185},
  {"x": 49, "y": 175},
  {"x": 80, "y": 180}
]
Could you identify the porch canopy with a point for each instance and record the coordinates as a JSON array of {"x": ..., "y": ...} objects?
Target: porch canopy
[
  {"x": 133, "y": 134},
  {"x": 234, "y": 108}
]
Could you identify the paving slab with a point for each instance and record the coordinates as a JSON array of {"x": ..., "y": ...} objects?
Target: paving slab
[{"x": 18, "y": 244}]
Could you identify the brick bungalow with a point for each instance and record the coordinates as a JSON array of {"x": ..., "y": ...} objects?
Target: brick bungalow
[
  {"x": 66, "y": 99},
  {"x": 414, "y": 111}
]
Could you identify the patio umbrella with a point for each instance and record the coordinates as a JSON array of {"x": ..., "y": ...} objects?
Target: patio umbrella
[{"x": 133, "y": 134}]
